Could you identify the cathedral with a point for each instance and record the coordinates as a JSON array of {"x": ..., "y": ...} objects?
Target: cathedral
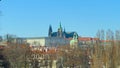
[
  {"x": 60, "y": 37},
  {"x": 60, "y": 33}
]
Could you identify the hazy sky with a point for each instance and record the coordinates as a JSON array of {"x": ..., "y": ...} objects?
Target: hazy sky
[{"x": 26, "y": 18}]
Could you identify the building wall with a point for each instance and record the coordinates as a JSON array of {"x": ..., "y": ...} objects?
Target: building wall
[
  {"x": 54, "y": 41},
  {"x": 19, "y": 41},
  {"x": 35, "y": 41},
  {"x": 47, "y": 41}
]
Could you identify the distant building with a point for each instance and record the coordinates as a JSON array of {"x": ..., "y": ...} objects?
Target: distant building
[
  {"x": 87, "y": 40},
  {"x": 54, "y": 38},
  {"x": 19, "y": 40},
  {"x": 60, "y": 33},
  {"x": 47, "y": 41},
  {"x": 74, "y": 42}
]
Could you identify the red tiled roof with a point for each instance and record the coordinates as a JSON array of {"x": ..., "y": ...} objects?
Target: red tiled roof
[
  {"x": 84, "y": 38},
  {"x": 95, "y": 39}
]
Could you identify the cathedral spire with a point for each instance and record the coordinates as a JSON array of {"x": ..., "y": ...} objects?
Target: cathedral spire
[
  {"x": 60, "y": 32},
  {"x": 64, "y": 33},
  {"x": 60, "y": 27},
  {"x": 50, "y": 31}
]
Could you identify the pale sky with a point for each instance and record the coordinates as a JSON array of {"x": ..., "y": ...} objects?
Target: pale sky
[{"x": 31, "y": 18}]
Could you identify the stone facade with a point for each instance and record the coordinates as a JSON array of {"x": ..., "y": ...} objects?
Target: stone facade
[{"x": 47, "y": 41}]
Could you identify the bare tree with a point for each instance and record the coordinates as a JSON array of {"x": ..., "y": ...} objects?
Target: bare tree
[
  {"x": 100, "y": 34},
  {"x": 16, "y": 55},
  {"x": 109, "y": 35},
  {"x": 72, "y": 57},
  {"x": 117, "y": 35}
]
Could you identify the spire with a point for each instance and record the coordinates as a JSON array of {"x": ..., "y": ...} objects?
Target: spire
[
  {"x": 60, "y": 27},
  {"x": 60, "y": 33},
  {"x": 64, "y": 33},
  {"x": 50, "y": 31}
]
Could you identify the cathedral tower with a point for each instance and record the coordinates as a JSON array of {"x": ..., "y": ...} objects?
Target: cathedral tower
[
  {"x": 50, "y": 31},
  {"x": 60, "y": 33}
]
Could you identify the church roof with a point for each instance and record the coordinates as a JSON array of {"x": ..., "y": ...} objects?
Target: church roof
[{"x": 66, "y": 34}]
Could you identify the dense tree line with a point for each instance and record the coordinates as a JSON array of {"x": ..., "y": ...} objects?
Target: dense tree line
[{"x": 102, "y": 54}]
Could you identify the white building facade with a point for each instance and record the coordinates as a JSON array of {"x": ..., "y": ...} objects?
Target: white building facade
[{"x": 47, "y": 41}]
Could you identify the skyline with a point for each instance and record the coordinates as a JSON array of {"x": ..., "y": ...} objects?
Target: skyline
[{"x": 28, "y": 18}]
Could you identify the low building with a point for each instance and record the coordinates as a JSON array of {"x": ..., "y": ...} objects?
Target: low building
[
  {"x": 47, "y": 41},
  {"x": 87, "y": 40}
]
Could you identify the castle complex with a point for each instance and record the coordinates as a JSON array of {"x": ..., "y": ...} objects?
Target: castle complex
[
  {"x": 60, "y": 37},
  {"x": 54, "y": 38},
  {"x": 60, "y": 33}
]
